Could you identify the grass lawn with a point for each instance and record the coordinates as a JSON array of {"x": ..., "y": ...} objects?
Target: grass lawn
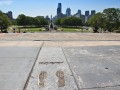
[
  {"x": 29, "y": 30},
  {"x": 77, "y": 30},
  {"x": 32, "y": 30}
]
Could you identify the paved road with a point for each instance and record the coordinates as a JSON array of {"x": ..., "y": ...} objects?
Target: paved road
[{"x": 30, "y": 64}]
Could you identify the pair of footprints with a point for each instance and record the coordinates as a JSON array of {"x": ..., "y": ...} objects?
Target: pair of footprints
[{"x": 59, "y": 74}]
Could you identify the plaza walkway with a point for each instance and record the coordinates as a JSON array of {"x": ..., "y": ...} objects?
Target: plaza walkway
[{"x": 60, "y": 61}]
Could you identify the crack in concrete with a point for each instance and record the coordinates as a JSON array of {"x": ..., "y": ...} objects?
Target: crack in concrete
[
  {"x": 26, "y": 84},
  {"x": 71, "y": 70}
]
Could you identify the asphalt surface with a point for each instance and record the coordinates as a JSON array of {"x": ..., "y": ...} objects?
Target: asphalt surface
[{"x": 59, "y": 61}]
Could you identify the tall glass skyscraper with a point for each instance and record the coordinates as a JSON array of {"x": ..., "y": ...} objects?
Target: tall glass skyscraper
[{"x": 59, "y": 9}]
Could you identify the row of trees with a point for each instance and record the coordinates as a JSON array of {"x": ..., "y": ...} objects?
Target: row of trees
[
  {"x": 69, "y": 21},
  {"x": 23, "y": 20},
  {"x": 109, "y": 20}
]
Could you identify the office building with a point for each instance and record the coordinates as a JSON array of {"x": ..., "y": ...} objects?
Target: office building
[
  {"x": 87, "y": 13},
  {"x": 79, "y": 12},
  {"x": 93, "y": 12},
  {"x": 59, "y": 10},
  {"x": 68, "y": 12}
]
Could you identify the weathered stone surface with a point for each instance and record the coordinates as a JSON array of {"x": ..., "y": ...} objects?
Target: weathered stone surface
[
  {"x": 91, "y": 61},
  {"x": 94, "y": 68},
  {"x": 19, "y": 52},
  {"x": 92, "y": 51},
  {"x": 59, "y": 36},
  {"x": 57, "y": 74},
  {"x": 16, "y": 62},
  {"x": 14, "y": 72}
]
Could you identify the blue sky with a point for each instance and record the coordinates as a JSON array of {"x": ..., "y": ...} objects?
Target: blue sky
[{"x": 48, "y": 7}]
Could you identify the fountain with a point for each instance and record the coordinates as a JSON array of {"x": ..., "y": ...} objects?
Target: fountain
[{"x": 51, "y": 25}]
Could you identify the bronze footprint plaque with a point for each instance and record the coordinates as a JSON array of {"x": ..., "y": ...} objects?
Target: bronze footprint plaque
[
  {"x": 42, "y": 77},
  {"x": 61, "y": 81}
]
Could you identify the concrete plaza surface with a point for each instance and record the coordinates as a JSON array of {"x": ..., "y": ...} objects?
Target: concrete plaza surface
[{"x": 60, "y": 61}]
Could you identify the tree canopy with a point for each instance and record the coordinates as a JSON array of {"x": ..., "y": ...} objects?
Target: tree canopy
[
  {"x": 4, "y": 21},
  {"x": 23, "y": 20},
  {"x": 109, "y": 19},
  {"x": 69, "y": 21}
]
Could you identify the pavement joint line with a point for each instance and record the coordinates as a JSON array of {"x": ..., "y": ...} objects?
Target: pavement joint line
[
  {"x": 74, "y": 40},
  {"x": 26, "y": 84},
  {"x": 102, "y": 87},
  {"x": 71, "y": 69},
  {"x": 19, "y": 57}
]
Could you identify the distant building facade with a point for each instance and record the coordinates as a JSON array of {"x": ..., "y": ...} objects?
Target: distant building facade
[
  {"x": 68, "y": 12},
  {"x": 87, "y": 13},
  {"x": 93, "y": 12},
  {"x": 9, "y": 14},
  {"x": 79, "y": 14}
]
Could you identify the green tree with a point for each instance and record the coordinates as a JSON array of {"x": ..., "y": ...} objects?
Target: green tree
[
  {"x": 69, "y": 21},
  {"x": 97, "y": 21},
  {"x": 112, "y": 17},
  {"x": 27, "y": 20},
  {"x": 40, "y": 21},
  {"x": 4, "y": 21},
  {"x": 21, "y": 20},
  {"x": 58, "y": 21}
]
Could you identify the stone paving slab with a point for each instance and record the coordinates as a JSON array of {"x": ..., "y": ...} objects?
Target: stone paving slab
[
  {"x": 95, "y": 72},
  {"x": 14, "y": 72},
  {"x": 16, "y": 62},
  {"x": 51, "y": 60},
  {"x": 67, "y": 61},
  {"x": 18, "y": 52},
  {"x": 80, "y": 43},
  {"x": 92, "y": 51},
  {"x": 95, "y": 67},
  {"x": 20, "y": 44}
]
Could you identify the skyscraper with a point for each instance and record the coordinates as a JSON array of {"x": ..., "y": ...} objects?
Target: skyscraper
[
  {"x": 59, "y": 9},
  {"x": 93, "y": 12},
  {"x": 79, "y": 12},
  {"x": 86, "y": 13},
  {"x": 68, "y": 12}
]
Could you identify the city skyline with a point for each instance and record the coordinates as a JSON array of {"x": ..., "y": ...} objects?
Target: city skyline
[{"x": 46, "y": 7}]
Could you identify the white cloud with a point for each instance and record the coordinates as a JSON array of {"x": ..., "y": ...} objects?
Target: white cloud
[{"x": 5, "y": 2}]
